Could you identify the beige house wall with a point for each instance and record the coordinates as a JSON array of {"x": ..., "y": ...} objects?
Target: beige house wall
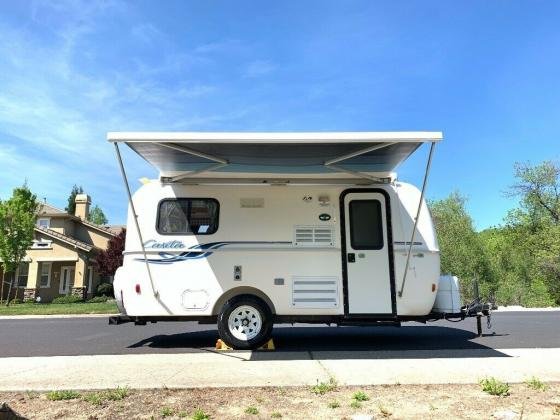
[
  {"x": 62, "y": 225},
  {"x": 92, "y": 236}
]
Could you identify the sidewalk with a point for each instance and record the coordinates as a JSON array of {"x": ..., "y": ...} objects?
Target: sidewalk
[{"x": 243, "y": 369}]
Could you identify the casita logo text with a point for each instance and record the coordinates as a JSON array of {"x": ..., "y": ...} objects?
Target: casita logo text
[{"x": 152, "y": 243}]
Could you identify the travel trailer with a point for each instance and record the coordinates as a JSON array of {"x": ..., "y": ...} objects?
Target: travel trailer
[{"x": 251, "y": 229}]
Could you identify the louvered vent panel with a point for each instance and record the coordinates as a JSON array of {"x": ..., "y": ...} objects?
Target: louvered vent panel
[
  {"x": 314, "y": 292},
  {"x": 314, "y": 236}
]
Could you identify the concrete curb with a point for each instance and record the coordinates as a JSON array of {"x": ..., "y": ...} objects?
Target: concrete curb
[
  {"x": 55, "y": 316},
  {"x": 247, "y": 369}
]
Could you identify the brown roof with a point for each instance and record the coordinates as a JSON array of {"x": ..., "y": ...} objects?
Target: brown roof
[
  {"x": 64, "y": 238},
  {"x": 46, "y": 208}
]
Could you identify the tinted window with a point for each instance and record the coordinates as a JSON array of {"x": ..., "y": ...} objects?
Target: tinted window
[
  {"x": 366, "y": 229},
  {"x": 198, "y": 216}
]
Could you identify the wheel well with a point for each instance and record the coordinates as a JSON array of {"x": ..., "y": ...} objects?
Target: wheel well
[{"x": 243, "y": 290}]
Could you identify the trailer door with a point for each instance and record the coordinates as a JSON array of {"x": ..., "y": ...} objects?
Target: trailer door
[{"x": 368, "y": 277}]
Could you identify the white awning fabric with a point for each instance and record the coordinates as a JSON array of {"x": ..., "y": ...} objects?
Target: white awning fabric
[{"x": 274, "y": 153}]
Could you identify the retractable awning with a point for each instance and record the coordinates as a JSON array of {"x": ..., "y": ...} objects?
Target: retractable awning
[{"x": 178, "y": 154}]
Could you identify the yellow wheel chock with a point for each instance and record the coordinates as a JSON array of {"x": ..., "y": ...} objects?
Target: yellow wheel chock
[{"x": 269, "y": 345}]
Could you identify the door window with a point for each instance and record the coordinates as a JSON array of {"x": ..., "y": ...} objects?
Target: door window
[{"x": 366, "y": 226}]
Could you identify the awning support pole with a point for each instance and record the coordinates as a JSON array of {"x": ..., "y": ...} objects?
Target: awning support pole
[
  {"x": 135, "y": 216},
  {"x": 426, "y": 173}
]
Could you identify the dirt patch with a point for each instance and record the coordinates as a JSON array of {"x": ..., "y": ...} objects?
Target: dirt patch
[{"x": 394, "y": 401}]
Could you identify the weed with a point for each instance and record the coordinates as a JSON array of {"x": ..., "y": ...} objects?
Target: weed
[
  {"x": 493, "y": 386},
  {"x": 63, "y": 395},
  {"x": 276, "y": 415},
  {"x": 324, "y": 387},
  {"x": 32, "y": 394},
  {"x": 360, "y": 396},
  {"x": 385, "y": 412},
  {"x": 96, "y": 398},
  {"x": 252, "y": 410},
  {"x": 117, "y": 394},
  {"x": 334, "y": 404},
  {"x": 259, "y": 400},
  {"x": 166, "y": 412},
  {"x": 200, "y": 415},
  {"x": 355, "y": 404},
  {"x": 182, "y": 414},
  {"x": 536, "y": 384}
]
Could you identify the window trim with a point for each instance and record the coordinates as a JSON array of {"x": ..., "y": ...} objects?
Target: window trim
[
  {"x": 48, "y": 285},
  {"x": 16, "y": 273},
  {"x": 47, "y": 242},
  {"x": 48, "y": 219},
  {"x": 187, "y": 233},
  {"x": 382, "y": 244}
]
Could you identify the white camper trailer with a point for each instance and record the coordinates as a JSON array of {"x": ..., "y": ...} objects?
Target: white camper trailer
[{"x": 252, "y": 229}]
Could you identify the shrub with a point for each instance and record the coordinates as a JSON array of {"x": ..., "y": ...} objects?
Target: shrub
[
  {"x": 276, "y": 415},
  {"x": 355, "y": 404},
  {"x": 67, "y": 299},
  {"x": 105, "y": 289},
  {"x": 15, "y": 301},
  {"x": 166, "y": 412},
  {"x": 493, "y": 386},
  {"x": 63, "y": 395},
  {"x": 98, "y": 299},
  {"x": 334, "y": 404}
]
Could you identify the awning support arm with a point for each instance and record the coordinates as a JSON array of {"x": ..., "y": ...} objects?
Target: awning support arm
[
  {"x": 135, "y": 216},
  {"x": 426, "y": 173},
  {"x": 194, "y": 153},
  {"x": 331, "y": 164}
]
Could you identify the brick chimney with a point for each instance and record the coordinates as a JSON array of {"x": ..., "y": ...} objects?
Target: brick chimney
[{"x": 82, "y": 206}]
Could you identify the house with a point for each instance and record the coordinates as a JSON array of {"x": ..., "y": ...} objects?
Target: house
[{"x": 61, "y": 260}]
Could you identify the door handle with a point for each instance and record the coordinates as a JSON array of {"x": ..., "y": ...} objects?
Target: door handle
[{"x": 351, "y": 257}]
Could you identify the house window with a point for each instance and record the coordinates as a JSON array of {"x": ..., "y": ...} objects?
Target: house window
[
  {"x": 22, "y": 273},
  {"x": 197, "y": 216},
  {"x": 44, "y": 222},
  {"x": 45, "y": 280},
  {"x": 41, "y": 244}
]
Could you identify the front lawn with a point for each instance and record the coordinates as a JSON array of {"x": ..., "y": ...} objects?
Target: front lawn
[{"x": 56, "y": 309}]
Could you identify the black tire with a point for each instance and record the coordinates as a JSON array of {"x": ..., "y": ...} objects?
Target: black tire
[{"x": 261, "y": 337}]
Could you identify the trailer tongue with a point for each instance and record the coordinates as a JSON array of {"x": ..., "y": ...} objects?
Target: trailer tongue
[{"x": 341, "y": 242}]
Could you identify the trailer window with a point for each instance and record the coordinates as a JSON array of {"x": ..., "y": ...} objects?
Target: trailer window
[
  {"x": 198, "y": 216},
  {"x": 366, "y": 229}
]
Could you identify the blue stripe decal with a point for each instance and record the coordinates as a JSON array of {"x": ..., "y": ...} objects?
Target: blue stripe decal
[{"x": 200, "y": 251}]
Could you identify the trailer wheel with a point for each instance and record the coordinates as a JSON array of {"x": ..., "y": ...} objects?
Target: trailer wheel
[{"x": 245, "y": 322}]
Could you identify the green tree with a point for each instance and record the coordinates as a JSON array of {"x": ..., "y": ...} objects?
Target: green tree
[
  {"x": 536, "y": 228},
  {"x": 17, "y": 222},
  {"x": 462, "y": 252},
  {"x": 71, "y": 207},
  {"x": 97, "y": 216}
]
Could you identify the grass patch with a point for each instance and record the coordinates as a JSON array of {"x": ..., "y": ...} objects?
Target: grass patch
[
  {"x": 324, "y": 387},
  {"x": 166, "y": 412},
  {"x": 360, "y": 396},
  {"x": 493, "y": 386},
  {"x": 276, "y": 415},
  {"x": 63, "y": 395},
  {"x": 355, "y": 404},
  {"x": 333, "y": 404},
  {"x": 536, "y": 384},
  {"x": 200, "y": 415},
  {"x": 32, "y": 394},
  {"x": 252, "y": 410},
  {"x": 108, "y": 307},
  {"x": 182, "y": 414},
  {"x": 98, "y": 398}
]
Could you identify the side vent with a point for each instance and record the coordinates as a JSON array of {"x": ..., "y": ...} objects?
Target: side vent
[
  {"x": 314, "y": 292},
  {"x": 314, "y": 236}
]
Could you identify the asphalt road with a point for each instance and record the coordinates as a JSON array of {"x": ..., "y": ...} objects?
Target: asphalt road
[{"x": 92, "y": 336}]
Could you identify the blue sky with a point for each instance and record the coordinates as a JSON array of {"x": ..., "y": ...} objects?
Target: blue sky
[{"x": 485, "y": 73}]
